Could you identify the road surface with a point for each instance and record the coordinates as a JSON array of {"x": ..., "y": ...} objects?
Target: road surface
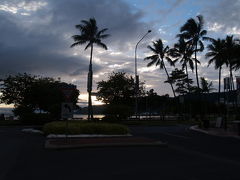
[{"x": 189, "y": 156}]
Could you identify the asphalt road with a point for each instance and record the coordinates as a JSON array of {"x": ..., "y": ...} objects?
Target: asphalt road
[{"x": 189, "y": 156}]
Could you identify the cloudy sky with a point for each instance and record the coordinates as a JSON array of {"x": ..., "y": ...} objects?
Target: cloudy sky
[{"x": 36, "y": 36}]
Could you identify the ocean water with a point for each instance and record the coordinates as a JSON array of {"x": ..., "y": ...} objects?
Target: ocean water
[
  {"x": 8, "y": 112},
  {"x": 85, "y": 116}
]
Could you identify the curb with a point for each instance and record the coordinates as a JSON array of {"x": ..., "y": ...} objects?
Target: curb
[
  {"x": 32, "y": 131},
  {"x": 196, "y": 128},
  {"x": 57, "y": 136},
  {"x": 98, "y": 145}
]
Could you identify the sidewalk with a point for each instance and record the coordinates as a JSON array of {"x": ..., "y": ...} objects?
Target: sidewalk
[
  {"x": 65, "y": 143},
  {"x": 216, "y": 132}
]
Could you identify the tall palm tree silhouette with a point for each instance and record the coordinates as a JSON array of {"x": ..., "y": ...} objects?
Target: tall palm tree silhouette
[
  {"x": 193, "y": 31},
  {"x": 182, "y": 51},
  {"x": 236, "y": 52},
  {"x": 90, "y": 35},
  {"x": 231, "y": 44},
  {"x": 217, "y": 55},
  {"x": 160, "y": 52}
]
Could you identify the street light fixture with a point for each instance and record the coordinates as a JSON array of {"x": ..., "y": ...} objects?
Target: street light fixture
[{"x": 136, "y": 75}]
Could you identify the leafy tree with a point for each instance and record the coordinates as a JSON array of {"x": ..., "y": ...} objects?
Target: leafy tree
[
  {"x": 90, "y": 35},
  {"x": 13, "y": 88},
  {"x": 160, "y": 53},
  {"x": 119, "y": 88},
  {"x": 181, "y": 81},
  {"x": 193, "y": 31},
  {"x": 118, "y": 93},
  {"x": 30, "y": 93}
]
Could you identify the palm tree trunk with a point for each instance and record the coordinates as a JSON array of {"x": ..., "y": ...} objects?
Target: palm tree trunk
[
  {"x": 187, "y": 78},
  {"x": 89, "y": 88},
  {"x": 168, "y": 79},
  {"x": 231, "y": 79},
  {"x": 219, "y": 84},
  {"x": 196, "y": 68}
]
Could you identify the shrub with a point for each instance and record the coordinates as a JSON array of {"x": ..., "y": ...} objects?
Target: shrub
[
  {"x": 35, "y": 118},
  {"x": 80, "y": 127}
]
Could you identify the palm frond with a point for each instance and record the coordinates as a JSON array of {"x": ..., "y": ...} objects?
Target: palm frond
[
  {"x": 102, "y": 31},
  {"x": 88, "y": 45},
  {"x": 152, "y": 49},
  {"x": 151, "y": 57},
  {"x": 103, "y": 36},
  {"x": 99, "y": 43},
  {"x": 152, "y": 62},
  {"x": 203, "y": 33},
  {"x": 170, "y": 61},
  {"x": 200, "y": 21},
  {"x": 201, "y": 45},
  {"x": 208, "y": 39},
  {"x": 191, "y": 65}
]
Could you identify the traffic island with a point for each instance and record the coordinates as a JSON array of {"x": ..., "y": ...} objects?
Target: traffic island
[{"x": 66, "y": 143}]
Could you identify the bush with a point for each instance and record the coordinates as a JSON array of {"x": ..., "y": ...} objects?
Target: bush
[
  {"x": 35, "y": 118},
  {"x": 80, "y": 127}
]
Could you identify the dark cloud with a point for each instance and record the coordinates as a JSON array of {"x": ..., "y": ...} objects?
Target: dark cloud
[{"x": 40, "y": 43}]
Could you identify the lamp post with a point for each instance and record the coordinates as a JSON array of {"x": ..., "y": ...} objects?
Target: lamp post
[{"x": 136, "y": 75}]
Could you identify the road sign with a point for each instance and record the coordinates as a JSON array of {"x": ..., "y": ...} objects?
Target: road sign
[
  {"x": 68, "y": 92},
  {"x": 67, "y": 110}
]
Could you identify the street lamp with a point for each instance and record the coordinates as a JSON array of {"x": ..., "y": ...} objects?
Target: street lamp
[{"x": 136, "y": 75}]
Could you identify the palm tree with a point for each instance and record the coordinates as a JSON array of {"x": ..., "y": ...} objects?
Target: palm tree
[
  {"x": 90, "y": 35},
  {"x": 237, "y": 55},
  {"x": 193, "y": 31},
  {"x": 231, "y": 45},
  {"x": 183, "y": 53},
  {"x": 206, "y": 87},
  {"x": 160, "y": 52},
  {"x": 216, "y": 53}
]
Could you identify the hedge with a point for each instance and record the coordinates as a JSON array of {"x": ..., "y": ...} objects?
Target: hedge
[{"x": 80, "y": 127}]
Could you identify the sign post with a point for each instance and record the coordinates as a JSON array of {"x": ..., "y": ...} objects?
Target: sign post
[{"x": 67, "y": 106}]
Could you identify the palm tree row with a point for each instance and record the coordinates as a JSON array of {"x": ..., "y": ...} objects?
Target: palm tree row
[
  {"x": 190, "y": 42},
  {"x": 224, "y": 52},
  {"x": 220, "y": 51}
]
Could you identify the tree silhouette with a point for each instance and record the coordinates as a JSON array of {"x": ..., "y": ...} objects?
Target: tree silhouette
[
  {"x": 193, "y": 31},
  {"x": 182, "y": 51},
  {"x": 206, "y": 87},
  {"x": 90, "y": 35},
  {"x": 216, "y": 53},
  {"x": 160, "y": 53},
  {"x": 182, "y": 82},
  {"x": 230, "y": 46}
]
